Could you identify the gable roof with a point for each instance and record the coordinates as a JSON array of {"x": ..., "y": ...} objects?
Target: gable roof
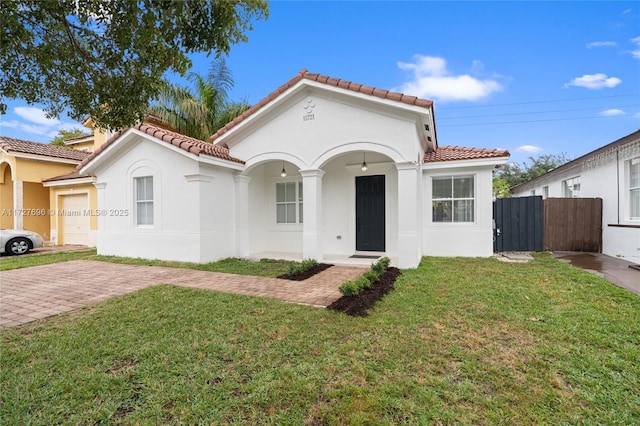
[
  {"x": 456, "y": 153},
  {"x": 590, "y": 156},
  {"x": 186, "y": 143},
  {"x": 69, "y": 176},
  {"x": 34, "y": 148},
  {"x": 330, "y": 81}
]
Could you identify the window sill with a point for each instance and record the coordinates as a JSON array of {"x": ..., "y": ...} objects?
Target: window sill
[{"x": 615, "y": 225}]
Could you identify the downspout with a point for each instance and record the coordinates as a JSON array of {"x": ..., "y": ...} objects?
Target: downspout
[{"x": 618, "y": 179}]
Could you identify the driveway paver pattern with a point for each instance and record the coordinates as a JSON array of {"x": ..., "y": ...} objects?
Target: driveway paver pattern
[{"x": 29, "y": 294}]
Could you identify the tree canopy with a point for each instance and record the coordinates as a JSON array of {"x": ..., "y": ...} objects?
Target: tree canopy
[
  {"x": 63, "y": 135},
  {"x": 199, "y": 111},
  {"x": 107, "y": 58},
  {"x": 512, "y": 174}
]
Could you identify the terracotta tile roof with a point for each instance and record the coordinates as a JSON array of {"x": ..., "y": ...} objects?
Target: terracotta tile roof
[
  {"x": 186, "y": 143},
  {"x": 72, "y": 175},
  {"x": 35, "y": 148},
  {"x": 344, "y": 84},
  {"x": 455, "y": 153}
]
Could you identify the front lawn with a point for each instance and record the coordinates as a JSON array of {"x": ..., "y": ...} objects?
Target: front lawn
[
  {"x": 264, "y": 267},
  {"x": 460, "y": 341},
  {"x": 35, "y": 259}
]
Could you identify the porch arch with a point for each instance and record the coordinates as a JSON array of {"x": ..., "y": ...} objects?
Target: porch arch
[
  {"x": 266, "y": 157},
  {"x": 349, "y": 147}
]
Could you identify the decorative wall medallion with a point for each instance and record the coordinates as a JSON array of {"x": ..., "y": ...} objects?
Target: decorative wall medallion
[{"x": 308, "y": 107}]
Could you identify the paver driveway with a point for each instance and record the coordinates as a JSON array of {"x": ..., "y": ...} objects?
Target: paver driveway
[{"x": 37, "y": 292}]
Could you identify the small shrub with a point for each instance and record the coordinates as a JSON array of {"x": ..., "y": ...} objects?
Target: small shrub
[
  {"x": 296, "y": 268},
  {"x": 381, "y": 266},
  {"x": 354, "y": 287},
  {"x": 372, "y": 276},
  {"x": 363, "y": 282},
  {"x": 349, "y": 288}
]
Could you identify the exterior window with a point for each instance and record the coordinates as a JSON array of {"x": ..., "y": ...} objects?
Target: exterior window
[
  {"x": 545, "y": 192},
  {"x": 453, "y": 198},
  {"x": 289, "y": 202},
  {"x": 634, "y": 188},
  {"x": 572, "y": 187},
  {"x": 144, "y": 200}
]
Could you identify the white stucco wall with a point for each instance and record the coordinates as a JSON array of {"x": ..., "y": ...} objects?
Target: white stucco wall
[
  {"x": 336, "y": 127},
  {"x": 471, "y": 239},
  {"x": 187, "y": 225}
]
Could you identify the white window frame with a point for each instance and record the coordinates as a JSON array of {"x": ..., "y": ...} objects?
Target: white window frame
[
  {"x": 146, "y": 201},
  {"x": 454, "y": 199},
  {"x": 545, "y": 192},
  {"x": 571, "y": 187},
  {"x": 634, "y": 216},
  {"x": 298, "y": 202}
]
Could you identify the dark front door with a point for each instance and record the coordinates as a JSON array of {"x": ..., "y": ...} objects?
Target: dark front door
[{"x": 370, "y": 213}]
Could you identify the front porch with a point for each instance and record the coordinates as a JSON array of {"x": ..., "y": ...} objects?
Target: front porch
[
  {"x": 334, "y": 259},
  {"x": 337, "y": 211}
]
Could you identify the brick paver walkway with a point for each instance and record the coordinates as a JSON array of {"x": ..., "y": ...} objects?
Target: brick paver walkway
[{"x": 41, "y": 291}]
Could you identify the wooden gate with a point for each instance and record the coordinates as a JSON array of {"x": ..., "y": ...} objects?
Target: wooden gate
[
  {"x": 519, "y": 224},
  {"x": 573, "y": 224}
]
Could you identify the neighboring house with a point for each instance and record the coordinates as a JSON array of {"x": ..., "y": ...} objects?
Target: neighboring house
[
  {"x": 81, "y": 143},
  {"x": 611, "y": 173},
  {"x": 24, "y": 165},
  {"x": 320, "y": 167}
]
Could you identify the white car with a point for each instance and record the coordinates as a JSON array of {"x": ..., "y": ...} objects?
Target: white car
[{"x": 19, "y": 241}]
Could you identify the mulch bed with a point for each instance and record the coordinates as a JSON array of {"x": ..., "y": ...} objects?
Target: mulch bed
[
  {"x": 358, "y": 305},
  {"x": 308, "y": 273}
]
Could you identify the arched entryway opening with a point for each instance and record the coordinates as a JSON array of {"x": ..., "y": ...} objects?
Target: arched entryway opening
[{"x": 6, "y": 197}]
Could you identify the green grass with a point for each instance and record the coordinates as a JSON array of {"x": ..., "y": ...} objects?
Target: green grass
[
  {"x": 15, "y": 262},
  {"x": 460, "y": 341},
  {"x": 262, "y": 268}
]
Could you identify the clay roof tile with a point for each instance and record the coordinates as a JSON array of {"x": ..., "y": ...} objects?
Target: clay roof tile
[
  {"x": 455, "y": 153},
  {"x": 28, "y": 147}
]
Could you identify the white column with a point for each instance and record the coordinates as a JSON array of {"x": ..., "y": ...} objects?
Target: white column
[
  {"x": 312, "y": 212},
  {"x": 18, "y": 205},
  {"x": 409, "y": 226},
  {"x": 242, "y": 215},
  {"x": 100, "y": 205}
]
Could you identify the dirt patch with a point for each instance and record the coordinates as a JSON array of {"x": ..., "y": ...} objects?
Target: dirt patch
[
  {"x": 306, "y": 274},
  {"x": 358, "y": 305}
]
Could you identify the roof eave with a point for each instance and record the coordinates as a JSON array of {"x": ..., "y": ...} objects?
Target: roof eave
[{"x": 472, "y": 162}]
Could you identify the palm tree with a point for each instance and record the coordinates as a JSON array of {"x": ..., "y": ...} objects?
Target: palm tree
[{"x": 203, "y": 109}]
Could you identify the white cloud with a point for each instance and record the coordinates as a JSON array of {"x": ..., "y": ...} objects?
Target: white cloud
[
  {"x": 32, "y": 129},
  {"x": 432, "y": 80},
  {"x": 35, "y": 115},
  {"x": 612, "y": 112},
  {"x": 529, "y": 148},
  {"x": 636, "y": 115},
  {"x": 636, "y": 52},
  {"x": 601, "y": 44},
  {"x": 594, "y": 81},
  {"x": 36, "y": 123}
]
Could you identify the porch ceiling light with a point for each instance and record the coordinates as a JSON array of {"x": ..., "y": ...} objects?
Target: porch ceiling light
[
  {"x": 364, "y": 162},
  {"x": 283, "y": 173}
]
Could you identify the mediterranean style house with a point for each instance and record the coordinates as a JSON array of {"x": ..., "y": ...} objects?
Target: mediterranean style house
[
  {"x": 612, "y": 173},
  {"x": 27, "y": 203},
  {"x": 321, "y": 168}
]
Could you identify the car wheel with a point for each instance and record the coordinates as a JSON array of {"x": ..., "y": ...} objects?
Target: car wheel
[{"x": 18, "y": 246}]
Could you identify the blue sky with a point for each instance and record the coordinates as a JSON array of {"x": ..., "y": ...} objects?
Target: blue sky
[{"x": 531, "y": 77}]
